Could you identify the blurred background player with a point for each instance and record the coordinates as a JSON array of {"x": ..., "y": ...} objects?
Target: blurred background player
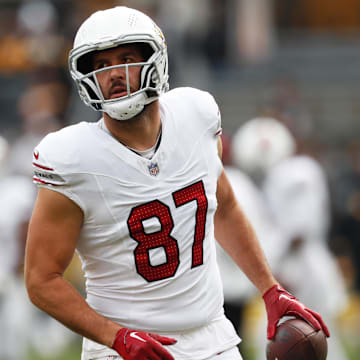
[
  {"x": 295, "y": 191},
  {"x": 17, "y": 197},
  {"x": 16, "y": 200}
]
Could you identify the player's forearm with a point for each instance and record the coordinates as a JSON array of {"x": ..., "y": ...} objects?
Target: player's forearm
[
  {"x": 236, "y": 235},
  {"x": 61, "y": 300}
]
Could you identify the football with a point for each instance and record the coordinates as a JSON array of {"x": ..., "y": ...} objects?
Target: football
[{"x": 295, "y": 339}]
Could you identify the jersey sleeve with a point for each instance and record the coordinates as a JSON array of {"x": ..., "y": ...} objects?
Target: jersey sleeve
[
  {"x": 197, "y": 114},
  {"x": 210, "y": 110},
  {"x": 209, "y": 116},
  {"x": 214, "y": 116},
  {"x": 198, "y": 106},
  {"x": 53, "y": 169}
]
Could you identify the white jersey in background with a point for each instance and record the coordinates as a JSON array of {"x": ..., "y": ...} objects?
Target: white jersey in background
[
  {"x": 297, "y": 192},
  {"x": 17, "y": 197},
  {"x": 16, "y": 201},
  {"x": 147, "y": 244}
]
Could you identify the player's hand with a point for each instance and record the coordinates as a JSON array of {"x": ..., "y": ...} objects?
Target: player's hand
[
  {"x": 279, "y": 302},
  {"x": 139, "y": 345}
]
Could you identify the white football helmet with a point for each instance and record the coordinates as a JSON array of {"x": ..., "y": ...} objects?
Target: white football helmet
[
  {"x": 111, "y": 28},
  {"x": 261, "y": 143}
]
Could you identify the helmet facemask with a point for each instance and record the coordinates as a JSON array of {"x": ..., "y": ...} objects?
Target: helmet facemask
[{"x": 153, "y": 80}]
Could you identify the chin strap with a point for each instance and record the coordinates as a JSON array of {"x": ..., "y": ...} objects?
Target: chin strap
[{"x": 127, "y": 108}]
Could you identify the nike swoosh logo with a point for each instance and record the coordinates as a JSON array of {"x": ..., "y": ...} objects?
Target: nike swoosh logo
[
  {"x": 36, "y": 155},
  {"x": 287, "y": 298},
  {"x": 135, "y": 336}
]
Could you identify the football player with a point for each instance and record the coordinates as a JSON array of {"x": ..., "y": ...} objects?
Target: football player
[{"x": 139, "y": 194}]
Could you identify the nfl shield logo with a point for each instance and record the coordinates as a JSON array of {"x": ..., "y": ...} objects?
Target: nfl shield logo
[{"x": 153, "y": 169}]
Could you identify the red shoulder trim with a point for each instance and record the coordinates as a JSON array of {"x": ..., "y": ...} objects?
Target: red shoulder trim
[
  {"x": 42, "y": 167},
  {"x": 44, "y": 182}
]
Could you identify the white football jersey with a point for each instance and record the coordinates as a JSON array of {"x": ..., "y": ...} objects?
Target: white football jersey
[{"x": 147, "y": 244}]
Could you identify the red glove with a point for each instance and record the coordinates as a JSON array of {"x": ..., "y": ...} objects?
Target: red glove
[
  {"x": 139, "y": 345},
  {"x": 279, "y": 302}
]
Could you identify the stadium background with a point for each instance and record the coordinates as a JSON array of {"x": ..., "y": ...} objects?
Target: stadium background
[{"x": 296, "y": 60}]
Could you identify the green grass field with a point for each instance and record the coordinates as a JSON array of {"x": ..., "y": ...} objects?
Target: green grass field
[{"x": 73, "y": 352}]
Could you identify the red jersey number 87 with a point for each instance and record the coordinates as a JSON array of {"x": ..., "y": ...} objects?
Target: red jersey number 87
[{"x": 163, "y": 238}]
